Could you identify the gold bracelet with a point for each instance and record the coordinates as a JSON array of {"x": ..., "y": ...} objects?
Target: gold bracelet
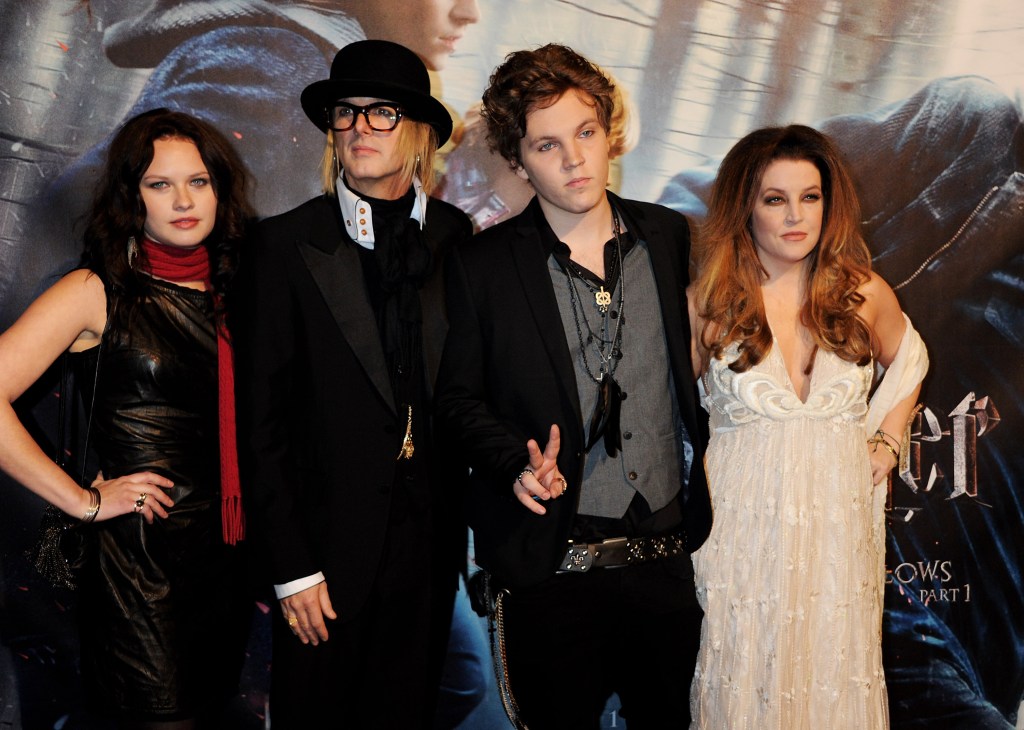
[
  {"x": 895, "y": 444},
  {"x": 95, "y": 499},
  {"x": 879, "y": 440}
]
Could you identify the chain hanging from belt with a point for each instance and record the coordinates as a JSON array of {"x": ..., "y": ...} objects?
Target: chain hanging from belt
[{"x": 496, "y": 628}]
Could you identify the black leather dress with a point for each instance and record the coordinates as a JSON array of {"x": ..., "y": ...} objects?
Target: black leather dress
[{"x": 164, "y": 613}]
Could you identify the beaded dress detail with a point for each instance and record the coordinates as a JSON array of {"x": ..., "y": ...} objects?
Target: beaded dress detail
[{"x": 791, "y": 576}]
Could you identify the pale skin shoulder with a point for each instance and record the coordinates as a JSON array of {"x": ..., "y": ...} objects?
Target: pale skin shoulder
[
  {"x": 69, "y": 316},
  {"x": 882, "y": 313}
]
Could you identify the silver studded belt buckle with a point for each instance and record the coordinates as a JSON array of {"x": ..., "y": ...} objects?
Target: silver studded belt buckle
[{"x": 578, "y": 559}]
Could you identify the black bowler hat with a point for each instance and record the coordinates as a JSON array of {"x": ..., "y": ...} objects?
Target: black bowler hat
[{"x": 383, "y": 70}]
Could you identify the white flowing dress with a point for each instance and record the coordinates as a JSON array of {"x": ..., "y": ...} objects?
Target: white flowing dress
[{"x": 791, "y": 576}]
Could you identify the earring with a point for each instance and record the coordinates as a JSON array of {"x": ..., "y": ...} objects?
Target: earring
[{"x": 133, "y": 252}]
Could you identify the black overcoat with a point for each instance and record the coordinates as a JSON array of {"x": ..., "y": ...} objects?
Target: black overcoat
[{"x": 319, "y": 427}]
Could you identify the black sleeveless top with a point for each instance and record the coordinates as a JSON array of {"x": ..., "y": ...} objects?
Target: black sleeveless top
[{"x": 156, "y": 404}]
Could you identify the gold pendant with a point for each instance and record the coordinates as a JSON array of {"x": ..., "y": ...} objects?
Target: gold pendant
[
  {"x": 602, "y": 298},
  {"x": 408, "y": 448}
]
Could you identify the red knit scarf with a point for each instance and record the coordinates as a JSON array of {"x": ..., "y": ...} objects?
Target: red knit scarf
[{"x": 179, "y": 265}]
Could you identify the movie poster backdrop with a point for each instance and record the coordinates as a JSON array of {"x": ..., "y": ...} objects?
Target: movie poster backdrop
[{"x": 923, "y": 97}]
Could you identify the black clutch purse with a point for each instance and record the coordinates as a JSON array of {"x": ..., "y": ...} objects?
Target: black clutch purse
[{"x": 60, "y": 549}]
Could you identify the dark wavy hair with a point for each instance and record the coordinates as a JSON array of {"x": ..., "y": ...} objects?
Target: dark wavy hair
[
  {"x": 728, "y": 287},
  {"x": 529, "y": 80},
  {"x": 118, "y": 212}
]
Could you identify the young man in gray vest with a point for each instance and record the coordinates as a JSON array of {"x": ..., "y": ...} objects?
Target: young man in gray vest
[{"x": 568, "y": 380}]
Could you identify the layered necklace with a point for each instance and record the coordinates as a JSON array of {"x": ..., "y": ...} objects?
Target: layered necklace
[{"x": 605, "y": 420}]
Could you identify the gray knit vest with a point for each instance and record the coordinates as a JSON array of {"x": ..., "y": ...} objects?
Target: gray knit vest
[{"x": 653, "y": 435}]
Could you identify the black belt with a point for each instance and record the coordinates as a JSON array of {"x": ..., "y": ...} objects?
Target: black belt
[{"x": 618, "y": 552}]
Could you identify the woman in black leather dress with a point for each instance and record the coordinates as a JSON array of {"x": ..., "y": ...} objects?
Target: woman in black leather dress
[{"x": 163, "y": 609}]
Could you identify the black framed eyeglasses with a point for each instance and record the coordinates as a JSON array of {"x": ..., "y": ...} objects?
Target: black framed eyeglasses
[{"x": 381, "y": 115}]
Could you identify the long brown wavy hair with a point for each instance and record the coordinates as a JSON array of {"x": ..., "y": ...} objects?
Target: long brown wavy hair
[
  {"x": 118, "y": 213},
  {"x": 728, "y": 287}
]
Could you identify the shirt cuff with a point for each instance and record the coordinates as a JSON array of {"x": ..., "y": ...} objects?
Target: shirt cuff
[{"x": 294, "y": 586}]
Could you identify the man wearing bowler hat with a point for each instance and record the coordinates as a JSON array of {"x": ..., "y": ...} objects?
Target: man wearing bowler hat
[{"x": 354, "y": 491}]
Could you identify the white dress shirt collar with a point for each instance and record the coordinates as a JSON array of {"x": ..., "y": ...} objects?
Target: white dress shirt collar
[{"x": 358, "y": 215}]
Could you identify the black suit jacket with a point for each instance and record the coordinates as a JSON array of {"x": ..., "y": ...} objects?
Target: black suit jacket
[
  {"x": 507, "y": 375},
  {"x": 319, "y": 428}
]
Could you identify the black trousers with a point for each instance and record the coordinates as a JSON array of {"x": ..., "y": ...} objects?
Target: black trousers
[
  {"x": 577, "y": 638},
  {"x": 379, "y": 669}
]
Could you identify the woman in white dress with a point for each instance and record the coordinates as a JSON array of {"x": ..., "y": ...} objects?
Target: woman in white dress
[{"x": 789, "y": 322}]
